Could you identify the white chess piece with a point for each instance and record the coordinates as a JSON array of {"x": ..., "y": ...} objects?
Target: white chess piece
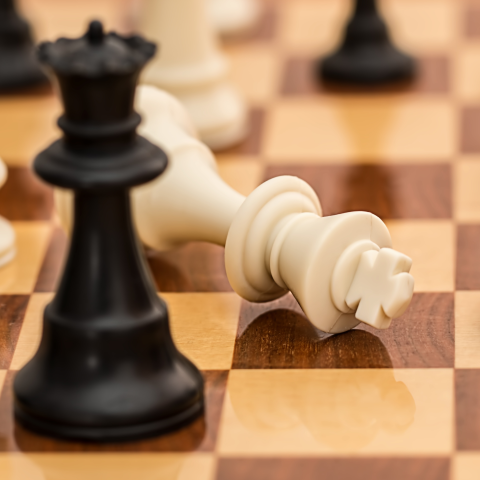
[
  {"x": 7, "y": 234},
  {"x": 233, "y": 16},
  {"x": 189, "y": 65},
  {"x": 341, "y": 269}
]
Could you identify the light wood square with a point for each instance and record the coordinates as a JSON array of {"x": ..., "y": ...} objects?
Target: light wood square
[
  {"x": 466, "y": 73},
  {"x": 466, "y": 190},
  {"x": 311, "y": 27},
  {"x": 51, "y": 19},
  {"x": 20, "y": 275},
  {"x": 243, "y": 174},
  {"x": 28, "y": 126},
  {"x": 466, "y": 466},
  {"x": 204, "y": 326},
  {"x": 338, "y": 412},
  {"x": 388, "y": 128},
  {"x": 255, "y": 71},
  {"x": 467, "y": 329},
  {"x": 95, "y": 466},
  {"x": 424, "y": 26},
  {"x": 431, "y": 246}
]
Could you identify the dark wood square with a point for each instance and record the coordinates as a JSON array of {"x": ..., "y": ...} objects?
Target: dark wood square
[
  {"x": 388, "y": 191},
  {"x": 278, "y": 335},
  {"x": 333, "y": 468},
  {"x": 468, "y": 253},
  {"x": 25, "y": 197}
]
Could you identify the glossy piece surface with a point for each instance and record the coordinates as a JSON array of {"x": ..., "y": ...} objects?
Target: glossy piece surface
[{"x": 407, "y": 154}]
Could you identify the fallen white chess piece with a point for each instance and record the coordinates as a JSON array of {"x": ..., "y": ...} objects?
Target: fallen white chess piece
[
  {"x": 233, "y": 16},
  {"x": 191, "y": 67},
  {"x": 341, "y": 269},
  {"x": 7, "y": 234}
]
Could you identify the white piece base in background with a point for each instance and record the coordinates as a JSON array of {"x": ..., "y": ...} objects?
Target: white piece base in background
[
  {"x": 218, "y": 113},
  {"x": 230, "y": 17},
  {"x": 7, "y": 242}
]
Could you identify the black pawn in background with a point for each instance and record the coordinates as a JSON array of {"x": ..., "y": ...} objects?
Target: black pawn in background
[
  {"x": 18, "y": 66},
  {"x": 107, "y": 368},
  {"x": 366, "y": 55}
]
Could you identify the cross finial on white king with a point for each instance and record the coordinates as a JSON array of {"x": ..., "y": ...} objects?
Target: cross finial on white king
[{"x": 382, "y": 287}]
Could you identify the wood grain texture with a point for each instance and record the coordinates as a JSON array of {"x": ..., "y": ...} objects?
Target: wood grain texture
[
  {"x": 53, "y": 262},
  {"x": 25, "y": 197},
  {"x": 467, "y": 411},
  {"x": 333, "y": 469},
  {"x": 197, "y": 267},
  {"x": 468, "y": 253},
  {"x": 12, "y": 312},
  {"x": 424, "y": 336},
  {"x": 198, "y": 436},
  {"x": 299, "y": 79},
  {"x": 388, "y": 191},
  {"x": 278, "y": 335}
]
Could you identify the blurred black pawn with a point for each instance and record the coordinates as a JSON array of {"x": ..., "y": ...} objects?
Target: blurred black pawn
[
  {"x": 18, "y": 66},
  {"x": 367, "y": 55},
  {"x": 107, "y": 368}
]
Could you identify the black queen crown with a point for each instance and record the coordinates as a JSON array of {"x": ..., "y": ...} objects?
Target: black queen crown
[{"x": 97, "y": 75}]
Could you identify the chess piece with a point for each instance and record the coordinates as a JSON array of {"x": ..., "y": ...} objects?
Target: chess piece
[
  {"x": 366, "y": 55},
  {"x": 107, "y": 368},
  {"x": 230, "y": 17},
  {"x": 192, "y": 68},
  {"x": 341, "y": 269},
  {"x": 18, "y": 66},
  {"x": 7, "y": 234}
]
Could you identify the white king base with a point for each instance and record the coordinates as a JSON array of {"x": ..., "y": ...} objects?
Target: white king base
[
  {"x": 189, "y": 65},
  {"x": 233, "y": 16},
  {"x": 341, "y": 269}
]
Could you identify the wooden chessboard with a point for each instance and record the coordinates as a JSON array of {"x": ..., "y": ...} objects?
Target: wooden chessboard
[{"x": 284, "y": 401}]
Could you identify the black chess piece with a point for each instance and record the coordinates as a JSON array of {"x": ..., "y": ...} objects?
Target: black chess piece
[
  {"x": 107, "y": 368},
  {"x": 366, "y": 55},
  {"x": 18, "y": 66}
]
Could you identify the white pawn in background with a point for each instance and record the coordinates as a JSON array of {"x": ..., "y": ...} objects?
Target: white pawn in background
[
  {"x": 341, "y": 269},
  {"x": 230, "y": 17},
  {"x": 190, "y": 66},
  {"x": 7, "y": 234}
]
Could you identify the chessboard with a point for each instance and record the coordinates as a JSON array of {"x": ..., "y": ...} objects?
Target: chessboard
[{"x": 283, "y": 400}]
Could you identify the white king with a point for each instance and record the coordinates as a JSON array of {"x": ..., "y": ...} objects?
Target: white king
[{"x": 341, "y": 269}]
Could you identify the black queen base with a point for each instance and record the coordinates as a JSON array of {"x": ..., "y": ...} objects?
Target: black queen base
[{"x": 107, "y": 368}]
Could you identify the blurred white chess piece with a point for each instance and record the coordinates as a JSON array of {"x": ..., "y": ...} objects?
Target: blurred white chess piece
[
  {"x": 190, "y": 66},
  {"x": 7, "y": 234},
  {"x": 341, "y": 269},
  {"x": 233, "y": 16}
]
